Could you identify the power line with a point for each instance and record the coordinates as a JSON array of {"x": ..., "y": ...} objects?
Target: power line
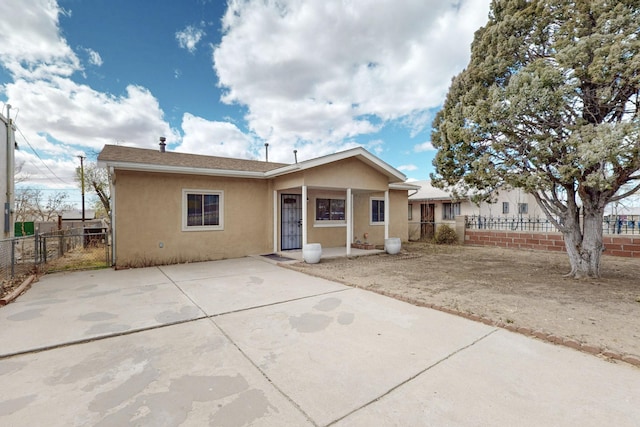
[{"x": 38, "y": 156}]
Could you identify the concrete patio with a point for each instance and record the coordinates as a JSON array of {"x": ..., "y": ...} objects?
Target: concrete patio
[
  {"x": 246, "y": 342},
  {"x": 331, "y": 252}
]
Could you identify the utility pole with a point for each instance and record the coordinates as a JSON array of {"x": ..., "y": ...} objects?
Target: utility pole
[{"x": 82, "y": 184}]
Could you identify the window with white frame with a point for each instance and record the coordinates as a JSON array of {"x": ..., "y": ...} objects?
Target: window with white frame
[
  {"x": 410, "y": 216},
  {"x": 330, "y": 209},
  {"x": 202, "y": 210},
  {"x": 523, "y": 208},
  {"x": 450, "y": 210},
  {"x": 376, "y": 210},
  {"x": 505, "y": 207}
]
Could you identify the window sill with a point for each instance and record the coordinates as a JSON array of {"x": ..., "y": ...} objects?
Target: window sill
[
  {"x": 203, "y": 229},
  {"x": 329, "y": 224}
]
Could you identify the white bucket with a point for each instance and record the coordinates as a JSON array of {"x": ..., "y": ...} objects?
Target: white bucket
[
  {"x": 392, "y": 245},
  {"x": 311, "y": 253}
]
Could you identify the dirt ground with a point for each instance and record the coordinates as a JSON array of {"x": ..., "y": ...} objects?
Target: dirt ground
[{"x": 524, "y": 291}]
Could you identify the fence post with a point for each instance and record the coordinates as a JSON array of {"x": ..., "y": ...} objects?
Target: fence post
[
  {"x": 13, "y": 257},
  {"x": 36, "y": 248},
  {"x": 44, "y": 250}
]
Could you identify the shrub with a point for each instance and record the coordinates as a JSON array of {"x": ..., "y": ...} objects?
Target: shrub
[{"x": 446, "y": 235}]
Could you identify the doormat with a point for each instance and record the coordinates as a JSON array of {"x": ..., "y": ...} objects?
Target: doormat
[{"x": 277, "y": 257}]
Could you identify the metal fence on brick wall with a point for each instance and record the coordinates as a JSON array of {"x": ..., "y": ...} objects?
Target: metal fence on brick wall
[
  {"x": 71, "y": 249},
  {"x": 611, "y": 224}
]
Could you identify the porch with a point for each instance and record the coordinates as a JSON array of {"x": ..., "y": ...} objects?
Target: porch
[{"x": 333, "y": 252}]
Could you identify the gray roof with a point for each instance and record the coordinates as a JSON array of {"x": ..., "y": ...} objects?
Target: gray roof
[
  {"x": 121, "y": 154},
  {"x": 429, "y": 192},
  {"x": 129, "y": 158}
]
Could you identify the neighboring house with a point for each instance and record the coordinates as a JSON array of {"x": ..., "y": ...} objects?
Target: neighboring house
[
  {"x": 430, "y": 207},
  {"x": 172, "y": 207},
  {"x": 76, "y": 215}
]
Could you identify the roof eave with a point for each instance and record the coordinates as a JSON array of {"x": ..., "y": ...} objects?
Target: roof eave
[
  {"x": 404, "y": 186},
  {"x": 392, "y": 173},
  {"x": 144, "y": 167}
]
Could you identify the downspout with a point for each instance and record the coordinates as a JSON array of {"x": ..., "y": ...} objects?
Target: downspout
[{"x": 112, "y": 194}]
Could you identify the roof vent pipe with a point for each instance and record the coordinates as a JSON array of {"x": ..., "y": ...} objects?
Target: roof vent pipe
[
  {"x": 266, "y": 151},
  {"x": 162, "y": 144},
  {"x": 295, "y": 155}
]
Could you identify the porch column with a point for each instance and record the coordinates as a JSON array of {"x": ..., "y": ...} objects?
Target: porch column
[
  {"x": 349, "y": 219},
  {"x": 386, "y": 214},
  {"x": 304, "y": 215},
  {"x": 275, "y": 221}
]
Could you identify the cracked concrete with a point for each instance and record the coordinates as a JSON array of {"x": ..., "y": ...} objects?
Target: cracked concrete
[{"x": 245, "y": 342}]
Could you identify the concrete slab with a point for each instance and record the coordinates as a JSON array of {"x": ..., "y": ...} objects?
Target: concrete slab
[
  {"x": 69, "y": 307},
  {"x": 334, "y": 353},
  {"x": 508, "y": 379},
  {"x": 282, "y": 348},
  {"x": 241, "y": 291},
  {"x": 187, "y": 374},
  {"x": 223, "y": 268}
]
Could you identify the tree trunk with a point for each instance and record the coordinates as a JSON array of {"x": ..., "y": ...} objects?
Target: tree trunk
[{"x": 584, "y": 247}]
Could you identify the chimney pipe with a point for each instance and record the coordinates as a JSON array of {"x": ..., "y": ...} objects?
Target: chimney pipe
[
  {"x": 162, "y": 144},
  {"x": 295, "y": 155},
  {"x": 266, "y": 151}
]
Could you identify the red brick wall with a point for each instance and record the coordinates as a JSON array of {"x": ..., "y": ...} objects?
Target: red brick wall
[{"x": 626, "y": 246}]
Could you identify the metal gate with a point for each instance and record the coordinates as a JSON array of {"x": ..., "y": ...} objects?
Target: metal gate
[
  {"x": 427, "y": 220},
  {"x": 291, "y": 224},
  {"x": 74, "y": 249}
]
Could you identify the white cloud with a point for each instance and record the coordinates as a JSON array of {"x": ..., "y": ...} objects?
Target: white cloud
[
  {"x": 214, "y": 138},
  {"x": 408, "y": 168},
  {"x": 57, "y": 117},
  {"x": 190, "y": 37},
  {"x": 94, "y": 57},
  {"x": 76, "y": 114},
  {"x": 30, "y": 42},
  {"x": 425, "y": 146},
  {"x": 332, "y": 70}
]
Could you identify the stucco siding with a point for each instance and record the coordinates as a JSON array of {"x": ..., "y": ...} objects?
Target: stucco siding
[
  {"x": 398, "y": 223},
  {"x": 349, "y": 173},
  {"x": 329, "y": 233},
  {"x": 149, "y": 219}
]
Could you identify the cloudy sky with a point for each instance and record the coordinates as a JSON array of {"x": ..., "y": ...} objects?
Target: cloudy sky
[{"x": 224, "y": 78}]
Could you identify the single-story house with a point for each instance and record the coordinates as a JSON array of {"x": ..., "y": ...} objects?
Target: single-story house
[
  {"x": 430, "y": 207},
  {"x": 170, "y": 207}
]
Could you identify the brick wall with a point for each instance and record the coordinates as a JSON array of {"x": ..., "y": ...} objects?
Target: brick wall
[{"x": 625, "y": 246}]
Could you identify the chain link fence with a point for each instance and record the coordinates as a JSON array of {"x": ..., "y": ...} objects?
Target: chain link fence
[{"x": 59, "y": 250}]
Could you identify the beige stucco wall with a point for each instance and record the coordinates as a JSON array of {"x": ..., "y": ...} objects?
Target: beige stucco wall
[
  {"x": 148, "y": 215},
  {"x": 348, "y": 173},
  {"x": 331, "y": 181},
  {"x": 398, "y": 225},
  {"x": 336, "y": 234}
]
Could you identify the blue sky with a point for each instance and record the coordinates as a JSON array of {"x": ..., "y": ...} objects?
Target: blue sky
[{"x": 224, "y": 78}]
